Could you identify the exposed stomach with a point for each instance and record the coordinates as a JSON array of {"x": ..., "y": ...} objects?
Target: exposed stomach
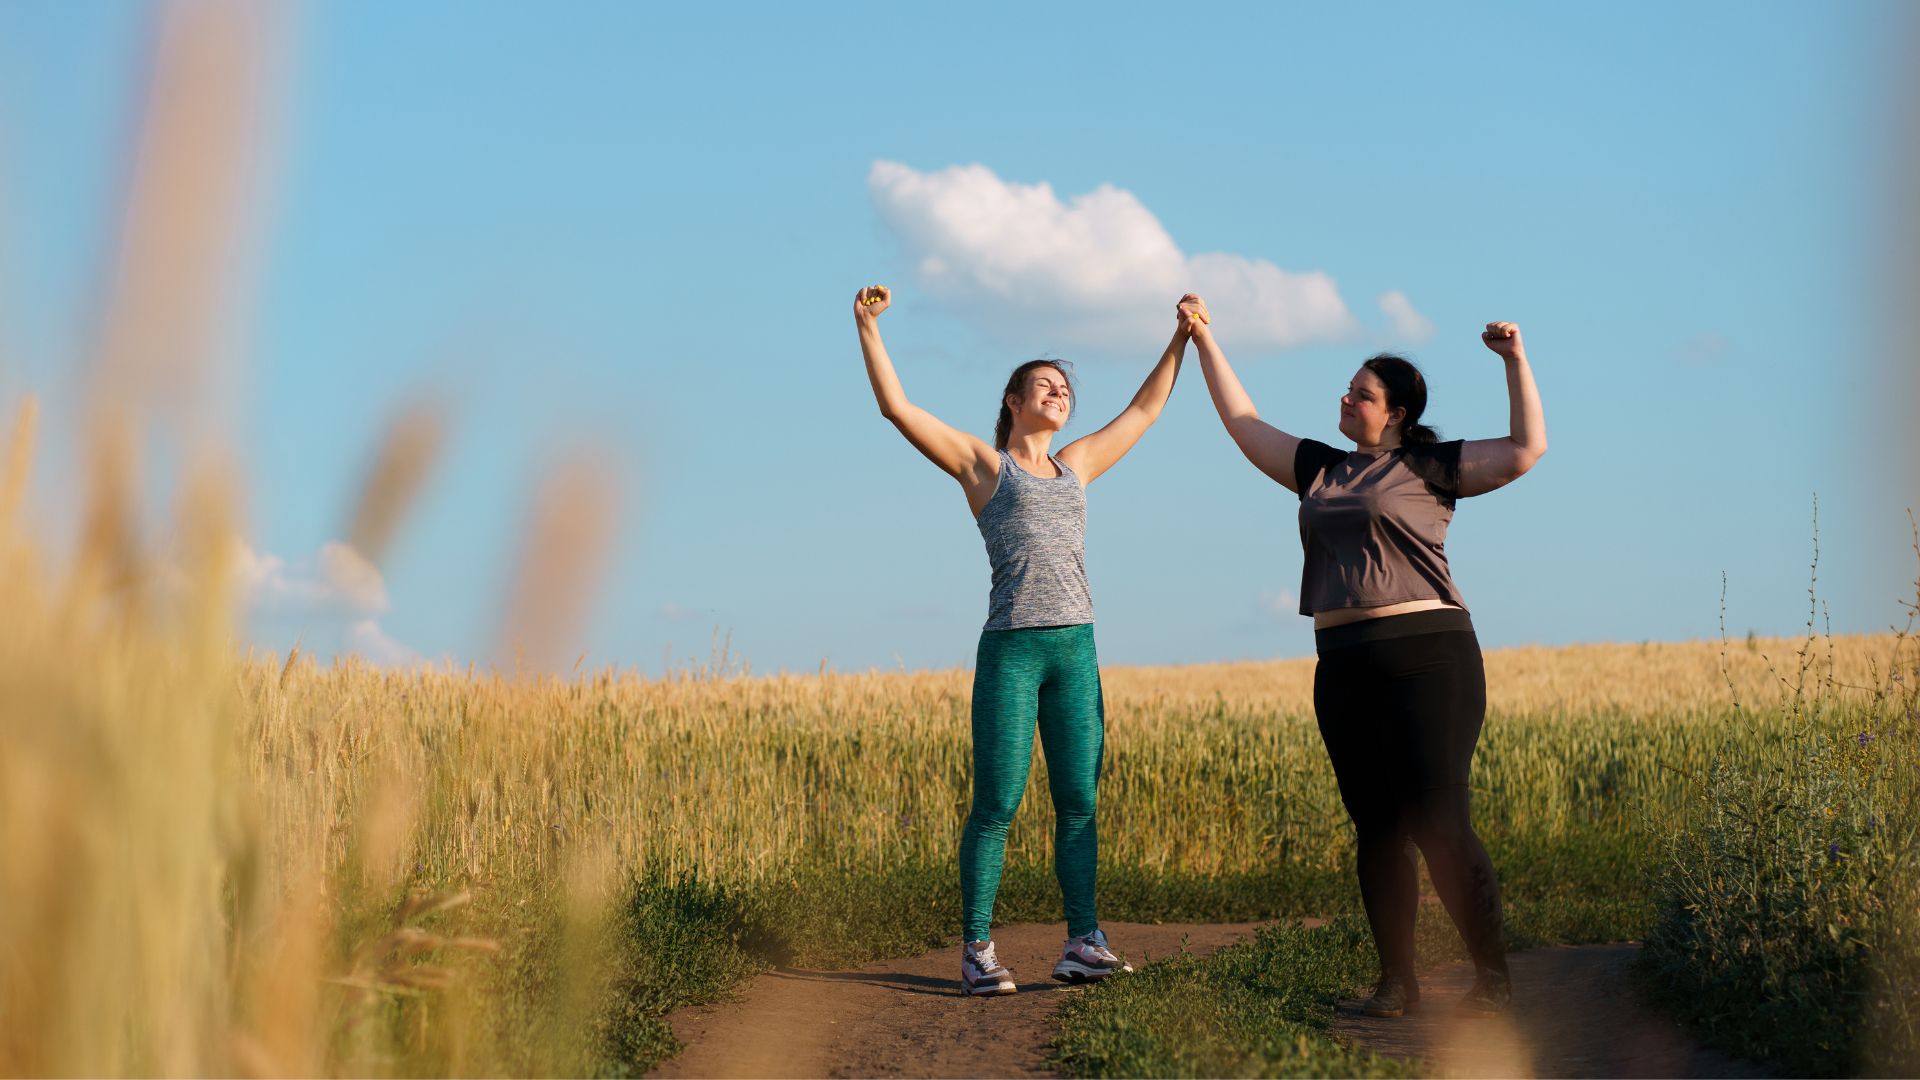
[{"x": 1343, "y": 616}]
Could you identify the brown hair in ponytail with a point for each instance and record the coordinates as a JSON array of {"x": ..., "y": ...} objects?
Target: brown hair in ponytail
[
  {"x": 1017, "y": 384},
  {"x": 1406, "y": 389}
]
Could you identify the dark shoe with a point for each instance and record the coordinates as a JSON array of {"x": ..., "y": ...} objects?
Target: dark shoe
[
  {"x": 1492, "y": 994},
  {"x": 1392, "y": 996}
]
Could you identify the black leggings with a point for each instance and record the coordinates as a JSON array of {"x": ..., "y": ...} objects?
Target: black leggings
[{"x": 1400, "y": 701}]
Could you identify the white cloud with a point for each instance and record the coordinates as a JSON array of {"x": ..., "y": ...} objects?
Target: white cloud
[
  {"x": 1096, "y": 270},
  {"x": 1407, "y": 324},
  {"x": 337, "y": 581},
  {"x": 366, "y": 638},
  {"x": 332, "y": 599}
]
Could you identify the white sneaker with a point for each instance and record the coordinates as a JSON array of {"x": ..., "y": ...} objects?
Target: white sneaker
[
  {"x": 1086, "y": 959},
  {"x": 980, "y": 970}
]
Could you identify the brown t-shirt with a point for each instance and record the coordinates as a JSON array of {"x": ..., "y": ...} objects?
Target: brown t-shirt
[{"x": 1374, "y": 526}]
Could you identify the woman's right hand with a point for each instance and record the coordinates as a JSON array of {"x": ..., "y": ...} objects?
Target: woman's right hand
[
  {"x": 1192, "y": 312},
  {"x": 869, "y": 302}
]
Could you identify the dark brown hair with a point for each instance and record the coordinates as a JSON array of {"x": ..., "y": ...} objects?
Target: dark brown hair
[
  {"x": 1017, "y": 384},
  {"x": 1406, "y": 389}
]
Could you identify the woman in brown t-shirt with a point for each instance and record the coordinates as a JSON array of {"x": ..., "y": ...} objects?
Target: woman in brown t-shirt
[{"x": 1399, "y": 690}]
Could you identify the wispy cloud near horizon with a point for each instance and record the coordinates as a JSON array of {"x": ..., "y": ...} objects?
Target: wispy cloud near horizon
[{"x": 334, "y": 600}]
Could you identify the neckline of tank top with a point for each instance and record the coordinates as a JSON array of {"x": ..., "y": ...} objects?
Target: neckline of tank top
[{"x": 1065, "y": 473}]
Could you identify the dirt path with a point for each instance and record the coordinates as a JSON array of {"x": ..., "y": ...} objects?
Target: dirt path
[
  {"x": 1575, "y": 1014},
  {"x": 907, "y": 1017}
]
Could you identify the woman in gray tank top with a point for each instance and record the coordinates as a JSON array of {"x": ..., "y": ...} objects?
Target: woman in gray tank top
[
  {"x": 1399, "y": 690},
  {"x": 1036, "y": 666}
]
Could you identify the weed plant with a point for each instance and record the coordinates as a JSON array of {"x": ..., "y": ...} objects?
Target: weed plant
[{"x": 1788, "y": 887}]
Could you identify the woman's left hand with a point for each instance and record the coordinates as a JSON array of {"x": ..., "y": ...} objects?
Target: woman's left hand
[{"x": 1504, "y": 339}]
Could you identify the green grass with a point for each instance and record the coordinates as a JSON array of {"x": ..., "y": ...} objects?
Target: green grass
[
  {"x": 684, "y": 943},
  {"x": 1258, "y": 1009}
]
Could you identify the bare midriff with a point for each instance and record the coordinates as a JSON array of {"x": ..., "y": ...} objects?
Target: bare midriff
[{"x": 1343, "y": 616}]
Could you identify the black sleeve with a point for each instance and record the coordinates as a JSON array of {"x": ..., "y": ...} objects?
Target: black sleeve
[
  {"x": 1310, "y": 458},
  {"x": 1439, "y": 465}
]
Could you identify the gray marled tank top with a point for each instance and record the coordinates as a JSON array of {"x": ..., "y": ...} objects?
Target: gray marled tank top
[{"x": 1036, "y": 534}]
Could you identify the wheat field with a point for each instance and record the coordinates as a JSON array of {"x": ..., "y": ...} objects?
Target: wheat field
[{"x": 221, "y": 863}]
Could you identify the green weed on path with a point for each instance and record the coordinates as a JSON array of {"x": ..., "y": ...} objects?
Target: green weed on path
[{"x": 1258, "y": 1009}]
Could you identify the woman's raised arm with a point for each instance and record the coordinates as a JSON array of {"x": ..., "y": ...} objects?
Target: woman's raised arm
[
  {"x": 963, "y": 456},
  {"x": 1487, "y": 464},
  {"x": 1096, "y": 452},
  {"x": 1270, "y": 449}
]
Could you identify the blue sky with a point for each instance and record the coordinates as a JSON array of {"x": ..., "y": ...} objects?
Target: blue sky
[{"x": 637, "y": 229}]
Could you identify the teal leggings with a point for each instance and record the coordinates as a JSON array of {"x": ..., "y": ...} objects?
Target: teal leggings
[{"x": 1051, "y": 676}]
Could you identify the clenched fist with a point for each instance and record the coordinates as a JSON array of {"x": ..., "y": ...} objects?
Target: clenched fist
[
  {"x": 1504, "y": 339},
  {"x": 869, "y": 302}
]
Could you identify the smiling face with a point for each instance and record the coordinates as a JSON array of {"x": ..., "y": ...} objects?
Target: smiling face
[
  {"x": 1364, "y": 415},
  {"x": 1046, "y": 402}
]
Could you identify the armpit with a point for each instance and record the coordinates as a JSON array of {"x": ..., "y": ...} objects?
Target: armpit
[{"x": 1438, "y": 465}]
